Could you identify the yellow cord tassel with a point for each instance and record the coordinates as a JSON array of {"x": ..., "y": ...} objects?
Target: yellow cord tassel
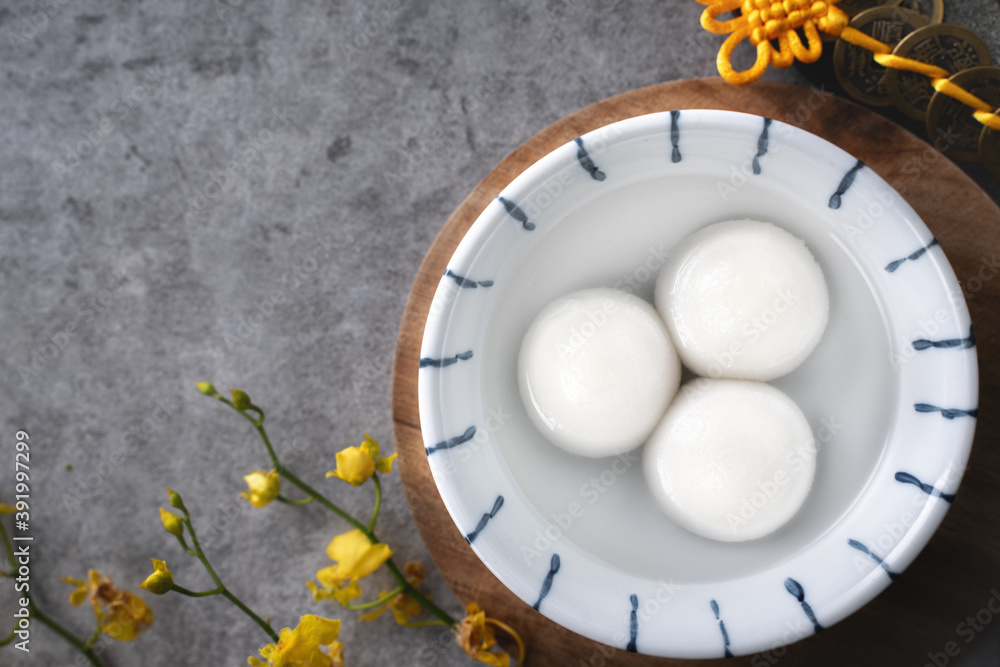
[{"x": 765, "y": 22}]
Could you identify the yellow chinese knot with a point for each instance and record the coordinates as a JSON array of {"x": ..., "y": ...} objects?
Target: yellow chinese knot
[{"x": 764, "y": 22}]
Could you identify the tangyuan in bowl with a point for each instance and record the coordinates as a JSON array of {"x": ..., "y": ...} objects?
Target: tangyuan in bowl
[{"x": 892, "y": 408}]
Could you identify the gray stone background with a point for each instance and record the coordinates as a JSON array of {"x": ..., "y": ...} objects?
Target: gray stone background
[{"x": 135, "y": 266}]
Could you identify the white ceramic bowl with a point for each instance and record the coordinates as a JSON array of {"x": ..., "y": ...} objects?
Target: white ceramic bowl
[{"x": 891, "y": 390}]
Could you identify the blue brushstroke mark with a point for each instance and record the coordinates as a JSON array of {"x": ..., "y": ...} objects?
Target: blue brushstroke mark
[
  {"x": 795, "y": 588},
  {"x": 907, "y": 478},
  {"x": 892, "y": 266},
  {"x": 547, "y": 584},
  {"x": 761, "y": 147},
  {"x": 947, "y": 413},
  {"x": 865, "y": 550},
  {"x": 633, "y": 624},
  {"x": 722, "y": 628},
  {"x": 675, "y": 137},
  {"x": 447, "y": 361},
  {"x": 471, "y": 537},
  {"x": 453, "y": 442},
  {"x": 465, "y": 282},
  {"x": 515, "y": 212},
  {"x": 845, "y": 184},
  {"x": 587, "y": 163},
  {"x": 961, "y": 343}
]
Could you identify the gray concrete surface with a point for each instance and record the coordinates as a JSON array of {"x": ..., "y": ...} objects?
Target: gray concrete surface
[{"x": 241, "y": 192}]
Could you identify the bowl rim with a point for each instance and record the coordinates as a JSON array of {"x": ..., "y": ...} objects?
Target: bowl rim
[{"x": 488, "y": 545}]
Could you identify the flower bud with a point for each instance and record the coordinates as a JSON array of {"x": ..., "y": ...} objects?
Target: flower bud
[
  {"x": 173, "y": 523},
  {"x": 162, "y": 579},
  {"x": 207, "y": 389},
  {"x": 262, "y": 487},
  {"x": 240, "y": 400},
  {"x": 175, "y": 500}
]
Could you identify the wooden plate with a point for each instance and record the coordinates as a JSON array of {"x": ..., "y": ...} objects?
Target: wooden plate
[{"x": 955, "y": 577}]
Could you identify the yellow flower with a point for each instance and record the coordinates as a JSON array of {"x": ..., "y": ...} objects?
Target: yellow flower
[
  {"x": 121, "y": 614},
  {"x": 402, "y": 605},
  {"x": 355, "y": 465},
  {"x": 304, "y": 646},
  {"x": 7, "y": 509},
  {"x": 329, "y": 589},
  {"x": 173, "y": 523},
  {"x": 162, "y": 579},
  {"x": 476, "y": 638},
  {"x": 355, "y": 556},
  {"x": 263, "y": 487}
]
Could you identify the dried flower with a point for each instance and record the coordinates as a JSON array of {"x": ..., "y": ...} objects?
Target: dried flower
[{"x": 121, "y": 615}]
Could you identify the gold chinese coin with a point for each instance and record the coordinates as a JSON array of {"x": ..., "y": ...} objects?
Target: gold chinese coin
[
  {"x": 932, "y": 10},
  {"x": 861, "y": 77},
  {"x": 948, "y": 46},
  {"x": 951, "y": 125},
  {"x": 989, "y": 151}
]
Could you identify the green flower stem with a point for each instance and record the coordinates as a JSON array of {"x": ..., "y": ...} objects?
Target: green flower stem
[
  {"x": 94, "y": 637},
  {"x": 304, "y": 501},
  {"x": 378, "y": 503},
  {"x": 35, "y": 612},
  {"x": 184, "y": 545},
  {"x": 223, "y": 590},
  {"x": 412, "y": 591},
  {"x": 408, "y": 588},
  {"x": 423, "y": 624},
  {"x": 62, "y": 632},
  {"x": 374, "y": 603},
  {"x": 195, "y": 594}
]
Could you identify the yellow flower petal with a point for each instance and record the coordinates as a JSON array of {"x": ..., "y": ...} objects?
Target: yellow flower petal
[
  {"x": 336, "y": 650},
  {"x": 384, "y": 464},
  {"x": 127, "y": 617},
  {"x": 77, "y": 597},
  {"x": 263, "y": 487},
  {"x": 7, "y": 509},
  {"x": 303, "y": 645},
  {"x": 330, "y": 589},
  {"x": 162, "y": 579},
  {"x": 354, "y": 465},
  {"x": 355, "y": 555}
]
